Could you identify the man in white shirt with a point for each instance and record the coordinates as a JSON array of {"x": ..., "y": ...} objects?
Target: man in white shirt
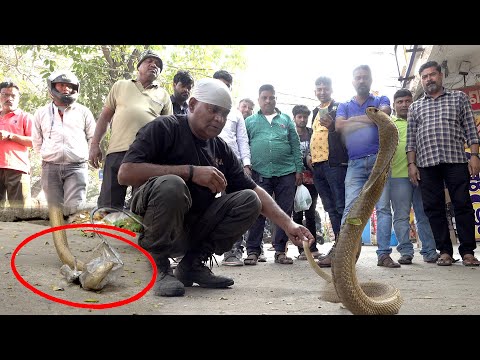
[
  {"x": 235, "y": 135},
  {"x": 62, "y": 132}
]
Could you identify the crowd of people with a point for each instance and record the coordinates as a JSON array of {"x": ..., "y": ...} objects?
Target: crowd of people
[{"x": 206, "y": 173}]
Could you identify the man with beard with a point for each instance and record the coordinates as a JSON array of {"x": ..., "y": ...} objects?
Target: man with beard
[
  {"x": 182, "y": 85},
  {"x": 362, "y": 142},
  {"x": 439, "y": 124},
  {"x": 400, "y": 195},
  {"x": 300, "y": 117},
  {"x": 328, "y": 158},
  {"x": 130, "y": 105},
  {"x": 245, "y": 106}
]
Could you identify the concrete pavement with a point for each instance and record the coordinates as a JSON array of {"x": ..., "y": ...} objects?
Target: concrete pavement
[{"x": 264, "y": 289}]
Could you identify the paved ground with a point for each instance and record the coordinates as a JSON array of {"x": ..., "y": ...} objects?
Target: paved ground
[{"x": 267, "y": 288}]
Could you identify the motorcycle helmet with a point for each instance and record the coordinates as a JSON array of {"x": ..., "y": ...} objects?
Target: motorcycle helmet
[{"x": 63, "y": 76}]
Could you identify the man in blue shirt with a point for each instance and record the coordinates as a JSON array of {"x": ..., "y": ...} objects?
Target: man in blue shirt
[{"x": 361, "y": 139}]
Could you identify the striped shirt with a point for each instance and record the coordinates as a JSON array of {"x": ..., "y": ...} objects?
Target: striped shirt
[{"x": 438, "y": 128}]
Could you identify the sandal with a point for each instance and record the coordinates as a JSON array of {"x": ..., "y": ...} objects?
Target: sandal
[
  {"x": 251, "y": 259},
  {"x": 386, "y": 261},
  {"x": 303, "y": 256},
  {"x": 470, "y": 260},
  {"x": 282, "y": 258},
  {"x": 445, "y": 260}
]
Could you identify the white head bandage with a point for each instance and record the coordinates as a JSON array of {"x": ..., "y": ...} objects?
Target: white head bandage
[{"x": 212, "y": 91}]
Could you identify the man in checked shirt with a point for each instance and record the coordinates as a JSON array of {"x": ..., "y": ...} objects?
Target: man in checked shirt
[{"x": 439, "y": 123}]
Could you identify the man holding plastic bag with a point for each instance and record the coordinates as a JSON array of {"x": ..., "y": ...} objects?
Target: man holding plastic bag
[{"x": 306, "y": 195}]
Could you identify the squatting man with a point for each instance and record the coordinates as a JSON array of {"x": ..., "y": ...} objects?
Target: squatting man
[{"x": 181, "y": 166}]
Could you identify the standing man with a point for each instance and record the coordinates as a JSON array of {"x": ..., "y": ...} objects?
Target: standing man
[
  {"x": 245, "y": 106},
  {"x": 277, "y": 167},
  {"x": 130, "y": 105},
  {"x": 329, "y": 159},
  {"x": 300, "y": 117},
  {"x": 400, "y": 194},
  {"x": 62, "y": 132},
  {"x": 234, "y": 132},
  {"x": 15, "y": 139},
  {"x": 361, "y": 139},
  {"x": 439, "y": 124},
  {"x": 182, "y": 85},
  {"x": 178, "y": 188},
  {"x": 235, "y": 135}
]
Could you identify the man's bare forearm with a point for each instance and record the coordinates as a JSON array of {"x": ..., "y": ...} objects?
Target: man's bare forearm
[{"x": 101, "y": 125}]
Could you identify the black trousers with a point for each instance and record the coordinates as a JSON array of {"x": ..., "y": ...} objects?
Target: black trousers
[
  {"x": 112, "y": 194},
  {"x": 14, "y": 185},
  {"x": 309, "y": 217},
  {"x": 457, "y": 179},
  {"x": 171, "y": 231},
  {"x": 283, "y": 189}
]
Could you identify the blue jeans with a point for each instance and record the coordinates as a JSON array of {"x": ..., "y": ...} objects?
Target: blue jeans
[
  {"x": 358, "y": 172},
  {"x": 401, "y": 194},
  {"x": 330, "y": 185},
  {"x": 384, "y": 222}
]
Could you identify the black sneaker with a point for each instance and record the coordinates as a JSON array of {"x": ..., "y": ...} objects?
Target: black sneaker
[
  {"x": 405, "y": 260},
  {"x": 195, "y": 271},
  {"x": 167, "y": 284}
]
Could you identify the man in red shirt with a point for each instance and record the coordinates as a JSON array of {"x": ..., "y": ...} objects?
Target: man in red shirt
[{"x": 15, "y": 139}]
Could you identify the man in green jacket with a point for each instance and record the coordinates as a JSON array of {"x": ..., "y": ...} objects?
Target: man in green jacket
[{"x": 276, "y": 166}]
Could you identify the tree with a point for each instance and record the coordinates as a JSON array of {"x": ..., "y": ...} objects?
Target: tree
[{"x": 98, "y": 67}]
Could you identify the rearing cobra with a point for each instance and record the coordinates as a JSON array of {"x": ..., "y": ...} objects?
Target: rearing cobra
[{"x": 368, "y": 298}]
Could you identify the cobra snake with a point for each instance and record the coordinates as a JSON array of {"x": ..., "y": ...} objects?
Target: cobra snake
[
  {"x": 60, "y": 240},
  {"x": 367, "y": 298},
  {"x": 93, "y": 277}
]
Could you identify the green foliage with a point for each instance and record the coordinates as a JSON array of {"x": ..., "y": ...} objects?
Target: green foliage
[
  {"x": 129, "y": 224},
  {"x": 98, "y": 67}
]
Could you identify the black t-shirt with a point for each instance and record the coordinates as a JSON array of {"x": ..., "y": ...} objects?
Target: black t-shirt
[
  {"x": 177, "y": 109},
  {"x": 168, "y": 140}
]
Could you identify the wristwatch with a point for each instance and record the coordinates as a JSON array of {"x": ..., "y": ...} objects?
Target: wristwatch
[{"x": 474, "y": 154}]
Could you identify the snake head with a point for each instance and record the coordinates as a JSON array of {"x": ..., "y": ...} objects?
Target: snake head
[{"x": 373, "y": 112}]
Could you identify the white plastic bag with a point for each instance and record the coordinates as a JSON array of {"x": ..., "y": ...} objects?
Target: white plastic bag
[{"x": 303, "y": 200}]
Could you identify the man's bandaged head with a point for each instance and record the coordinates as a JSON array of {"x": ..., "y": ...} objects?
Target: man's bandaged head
[{"x": 214, "y": 92}]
